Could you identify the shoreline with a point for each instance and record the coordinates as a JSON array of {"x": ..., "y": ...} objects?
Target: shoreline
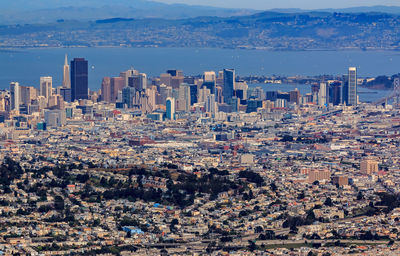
[
  {"x": 299, "y": 84},
  {"x": 263, "y": 69},
  {"x": 266, "y": 49}
]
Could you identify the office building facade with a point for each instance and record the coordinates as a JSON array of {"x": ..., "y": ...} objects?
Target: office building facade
[
  {"x": 106, "y": 89},
  {"x": 15, "y": 95},
  {"x": 170, "y": 107},
  {"x": 46, "y": 87},
  {"x": 352, "y": 87},
  {"x": 79, "y": 79},
  {"x": 229, "y": 85}
]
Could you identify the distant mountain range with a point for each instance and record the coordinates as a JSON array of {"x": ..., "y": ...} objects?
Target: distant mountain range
[
  {"x": 265, "y": 30},
  {"x": 47, "y": 11},
  {"x": 360, "y": 9},
  {"x": 141, "y": 23}
]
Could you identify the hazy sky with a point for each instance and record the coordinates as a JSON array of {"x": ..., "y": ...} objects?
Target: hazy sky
[{"x": 270, "y": 4}]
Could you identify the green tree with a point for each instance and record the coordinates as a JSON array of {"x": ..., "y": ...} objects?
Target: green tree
[{"x": 58, "y": 203}]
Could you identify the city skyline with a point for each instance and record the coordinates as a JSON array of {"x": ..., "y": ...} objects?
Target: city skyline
[
  {"x": 225, "y": 92},
  {"x": 198, "y": 130},
  {"x": 112, "y": 87}
]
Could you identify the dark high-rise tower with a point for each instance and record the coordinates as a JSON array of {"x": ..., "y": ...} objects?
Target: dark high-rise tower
[
  {"x": 345, "y": 91},
  {"x": 335, "y": 90},
  {"x": 79, "y": 79},
  {"x": 193, "y": 94},
  {"x": 352, "y": 87},
  {"x": 175, "y": 72},
  {"x": 229, "y": 84}
]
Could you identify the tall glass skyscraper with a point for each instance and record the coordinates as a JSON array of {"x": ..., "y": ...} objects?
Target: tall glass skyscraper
[
  {"x": 15, "y": 95},
  {"x": 79, "y": 79},
  {"x": 229, "y": 85},
  {"x": 322, "y": 99},
  {"x": 335, "y": 92},
  {"x": 170, "y": 106},
  {"x": 128, "y": 93},
  {"x": 193, "y": 94},
  {"x": 352, "y": 87}
]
